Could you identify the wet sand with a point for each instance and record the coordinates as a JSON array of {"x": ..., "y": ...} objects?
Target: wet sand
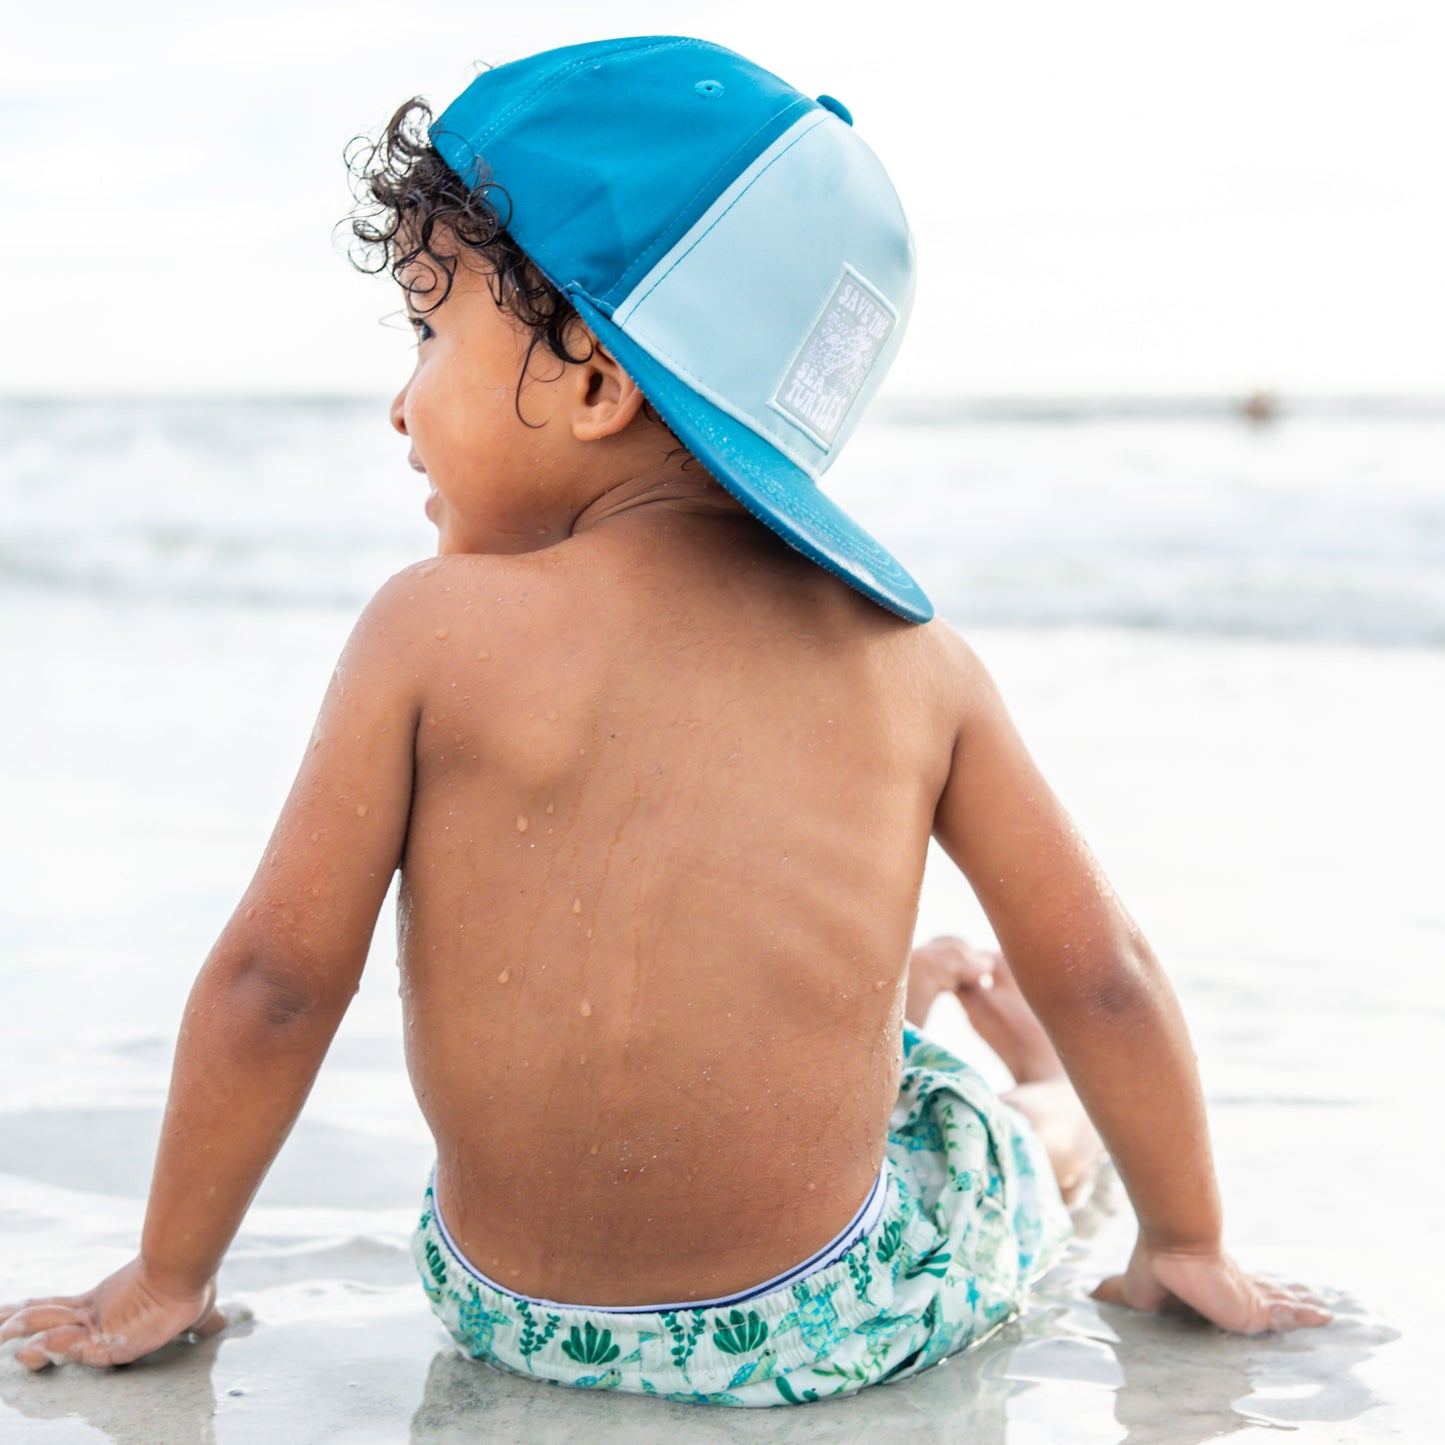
[{"x": 1268, "y": 810}]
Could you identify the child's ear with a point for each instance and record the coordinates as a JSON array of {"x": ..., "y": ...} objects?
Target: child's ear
[{"x": 607, "y": 399}]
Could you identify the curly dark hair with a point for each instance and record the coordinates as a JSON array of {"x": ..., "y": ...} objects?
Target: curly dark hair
[{"x": 411, "y": 206}]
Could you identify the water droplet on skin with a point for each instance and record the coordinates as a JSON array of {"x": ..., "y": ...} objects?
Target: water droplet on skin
[
  {"x": 593, "y": 1149},
  {"x": 586, "y": 1009},
  {"x": 551, "y": 716},
  {"x": 505, "y": 974},
  {"x": 315, "y": 891},
  {"x": 581, "y": 1058},
  {"x": 483, "y": 656},
  {"x": 811, "y": 1186},
  {"x": 441, "y": 634},
  {"x": 361, "y": 810},
  {"x": 879, "y": 986},
  {"x": 250, "y": 913},
  {"x": 316, "y": 836},
  {"x": 589, "y": 933},
  {"x": 521, "y": 822},
  {"x": 576, "y": 905},
  {"x": 581, "y": 751},
  {"x": 551, "y": 808}
]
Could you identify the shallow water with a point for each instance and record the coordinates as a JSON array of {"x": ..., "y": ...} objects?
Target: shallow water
[
  {"x": 1267, "y": 805},
  {"x": 1326, "y": 525}
]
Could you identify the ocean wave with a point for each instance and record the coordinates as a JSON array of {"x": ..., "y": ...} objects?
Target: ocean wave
[{"x": 1321, "y": 526}]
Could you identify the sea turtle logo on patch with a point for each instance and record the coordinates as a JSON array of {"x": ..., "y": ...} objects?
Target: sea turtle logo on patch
[{"x": 833, "y": 363}]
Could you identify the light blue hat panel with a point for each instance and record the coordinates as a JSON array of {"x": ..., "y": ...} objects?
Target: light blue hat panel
[{"x": 825, "y": 298}]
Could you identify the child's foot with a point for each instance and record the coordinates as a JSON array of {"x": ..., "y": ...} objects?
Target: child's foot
[{"x": 983, "y": 983}]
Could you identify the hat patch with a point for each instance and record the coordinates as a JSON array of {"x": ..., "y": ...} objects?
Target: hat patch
[{"x": 833, "y": 363}]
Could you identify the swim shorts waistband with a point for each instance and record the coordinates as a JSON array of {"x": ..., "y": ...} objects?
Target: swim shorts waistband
[{"x": 860, "y": 1225}]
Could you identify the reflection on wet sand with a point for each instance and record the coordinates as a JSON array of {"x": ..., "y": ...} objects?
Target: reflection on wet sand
[
  {"x": 167, "y": 1397},
  {"x": 1194, "y": 1383},
  {"x": 332, "y": 1359},
  {"x": 949, "y": 1403}
]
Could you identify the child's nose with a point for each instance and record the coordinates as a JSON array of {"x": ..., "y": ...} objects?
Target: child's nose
[{"x": 398, "y": 411}]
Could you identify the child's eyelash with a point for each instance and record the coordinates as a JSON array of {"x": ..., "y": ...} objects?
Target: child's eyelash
[{"x": 419, "y": 325}]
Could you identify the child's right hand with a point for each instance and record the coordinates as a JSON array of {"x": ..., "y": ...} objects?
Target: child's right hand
[
  {"x": 1214, "y": 1285},
  {"x": 121, "y": 1319}
]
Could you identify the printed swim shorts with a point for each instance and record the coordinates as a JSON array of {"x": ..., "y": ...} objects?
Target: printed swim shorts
[{"x": 970, "y": 1216}]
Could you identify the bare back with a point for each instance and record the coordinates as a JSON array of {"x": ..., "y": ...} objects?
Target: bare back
[{"x": 673, "y": 793}]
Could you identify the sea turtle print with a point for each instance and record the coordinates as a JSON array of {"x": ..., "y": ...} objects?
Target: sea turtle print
[{"x": 817, "y": 1317}]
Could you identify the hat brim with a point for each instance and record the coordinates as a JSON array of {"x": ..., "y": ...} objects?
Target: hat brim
[{"x": 772, "y": 487}]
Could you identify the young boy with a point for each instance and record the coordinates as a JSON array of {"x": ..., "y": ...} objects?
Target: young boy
[{"x": 658, "y": 742}]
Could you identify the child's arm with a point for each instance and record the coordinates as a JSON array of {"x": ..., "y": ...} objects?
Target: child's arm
[
  {"x": 1090, "y": 976},
  {"x": 266, "y": 1004}
]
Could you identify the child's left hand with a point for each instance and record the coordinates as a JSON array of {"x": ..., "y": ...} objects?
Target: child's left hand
[
  {"x": 1213, "y": 1285},
  {"x": 121, "y": 1319}
]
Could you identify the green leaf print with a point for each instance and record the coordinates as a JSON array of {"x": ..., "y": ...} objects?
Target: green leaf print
[
  {"x": 435, "y": 1264},
  {"x": 859, "y": 1372},
  {"x": 889, "y": 1239},
  {"x": 533, "y": 1338},
  {"x": 590, "y": 1346},
  {"x": 684, "y": 1337},
  {"x": 741, "y": 1334},
  {"x": 860, "y": 1270},
  {"x": 935, "y": 1262},
  {"x": 787, "y": 1392}
]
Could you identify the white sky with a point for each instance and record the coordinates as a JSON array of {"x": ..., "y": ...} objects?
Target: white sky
[{"x": 1114, "y": 196}]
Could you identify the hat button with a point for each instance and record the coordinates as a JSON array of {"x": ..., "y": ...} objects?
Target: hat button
[
  {"x": 709, "y": 89},
  {"x": 828, "y": 102}
]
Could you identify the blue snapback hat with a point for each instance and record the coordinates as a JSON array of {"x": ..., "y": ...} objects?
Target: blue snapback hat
[{"x": 732, "y": 242}]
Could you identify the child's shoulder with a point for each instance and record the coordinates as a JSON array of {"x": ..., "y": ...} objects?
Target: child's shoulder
[
  {"x": 955, "y": 670},
  {"x": 429, "y": 621},
  {"x": 440, "y": 597}
]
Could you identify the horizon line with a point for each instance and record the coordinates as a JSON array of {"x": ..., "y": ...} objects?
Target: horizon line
[{"x": 1261, "y": 405}]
